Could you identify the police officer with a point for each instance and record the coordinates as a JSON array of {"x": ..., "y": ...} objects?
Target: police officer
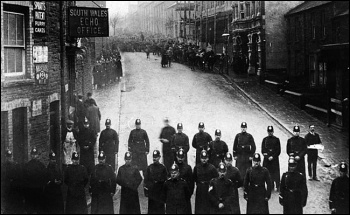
[
  {"x": 202, "y": 174},
  {"x": 255, "y": 180},
  {"x": 180, "y": 140},
  {"x": 109, "y": 143},
  {"x": 221, "y": 193},
  {"x": 186, "y": 174},
  {"x": 271, "y": 149},
  {"x": 129, "y": 178},
  {"x": 312, "y": 138},
  {"x": 296, "y": 147},
  {"x": 76, "y": 178},
  {"x": 243, "y": 149},
  {"x": 293, "y": 190},
  {"x": 234, "y": 175},
  {"x": 218, "y": 149},
  {"x": 155, "y": 177},
  {"x": 176, "y": 193},
  {"x": 165, "y": 138},
  {"x": 201, "y": 141},
  {"x": 53, "y": 193},
  {"x": 339, "y": 194},
  {"x": 87, "y": 140},
  {"x": 34, "y": 175},
  {"x": 138, "y": 145},
  {"x": 11, "y": 179},
  {"x": 102, "y": 187}
]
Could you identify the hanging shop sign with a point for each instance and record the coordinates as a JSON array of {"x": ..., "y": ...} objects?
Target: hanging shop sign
[
  {"x": 39, "y": 10},
  {"x": 88, "y": 22},
  {"x": 41, "y": 73}
]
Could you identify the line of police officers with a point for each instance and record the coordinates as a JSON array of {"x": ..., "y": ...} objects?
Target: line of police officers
[{"x": 217, "y": 181}]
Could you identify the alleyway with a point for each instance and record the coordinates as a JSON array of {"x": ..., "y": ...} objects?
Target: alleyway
[{"x": 189, "y": 97}]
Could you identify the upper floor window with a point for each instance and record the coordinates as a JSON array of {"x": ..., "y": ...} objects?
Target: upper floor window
[
  {"x": 323, "y": 23},
  {"x": 313, "y": 26},
  {"x": 248, "y": 9},
  {"x": 241, "y": 8},
  {"x": 253, "y": 8},
  {"x": 14, "y": 43}
]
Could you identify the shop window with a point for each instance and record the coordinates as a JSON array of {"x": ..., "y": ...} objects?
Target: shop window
[{"x": 14, "y": 43}]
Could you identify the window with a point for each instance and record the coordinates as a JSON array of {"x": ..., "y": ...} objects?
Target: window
[
  {"x": 258, "y": 8},
  {"x": 234, "y": 13},
  {"x": 248, "y": 9},
  {"x": 288, "y": 30},
  {"x": 323, "y": 23},
  {"x": 322, "y": 74},
  {"x": 253, "y": 8},
  {"x": 297, "y": 29},
  {"x": 241, "y": 8},
  {"x": 14, "y": 43},
  {"x": 312, "y": 68},
  {"x": 313, "y": 26}
]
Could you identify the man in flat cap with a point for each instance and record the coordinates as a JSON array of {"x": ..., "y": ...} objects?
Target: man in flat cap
[
  {"x": 165, "y": 138},
  {"x": 243, "y": 149},
  {"x": 271, "y": 150},
  {"x": 155, "y": 176},
  {"x": 235, "y": 176},
  {"x": 202, "y": 174},
  {"x": 138, "y": 145},
  {"x": 129, "y": 178},
  {"x": 76, "y": 178},
  {"x": 218, "y": 149},
  {"x": 109, "y": 143},
  {"x": 103, "y": 183},
  {"x": 201, "y": 141},
  {"x": 255, "y": 181},
  {"x": 339, "y": 193},
  {"x": 297, "y": 148},
  {"x": 86, "y": 141},
  {"x": 69, "y": 138},
  {"x": 293, "y": 191},
  {"x": 311, "y": 139},
  {"x": 180, "y": 141}
]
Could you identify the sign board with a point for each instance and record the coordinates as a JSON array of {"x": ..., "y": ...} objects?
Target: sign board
[
  {"x": 39, "y": 11},
  {"x": 40, "y": 54},
  {"x": 36, "y": 108},
  {"x": 41, "y": 73},
  {"x": 88, "y": 22}
]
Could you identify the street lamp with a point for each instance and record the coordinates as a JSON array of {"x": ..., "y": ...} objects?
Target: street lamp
[{"x": 226, "y": 34}]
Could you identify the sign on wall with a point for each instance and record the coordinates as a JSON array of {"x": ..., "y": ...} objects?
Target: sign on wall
[
  {"x": 40, "y": 54},
  {"x": 41, "y": 73},
  {"x": 39, "y": 17},
  {"x": 88, "y": 22},
  {"x": 36, "y": 108}
]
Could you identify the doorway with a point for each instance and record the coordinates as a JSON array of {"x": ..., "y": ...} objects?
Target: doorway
[{"x": 19, "y": 120}]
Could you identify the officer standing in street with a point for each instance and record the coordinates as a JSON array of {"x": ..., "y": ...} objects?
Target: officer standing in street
[
  {"x": 109, "y": 143},
  {"x": 339, "y": 194},
  {"x": 218, "y": 149},
  {"x": 34, "y": 175},
  {"x": 155, "y": 177},
  {"x": 234, "y": 175},
  {"x": 202, "y": 174},
  {"x": 138, "y": 145},
  {"x": 297, "y": 148},
  {"x": 243, "y": 149},
  {"x": 293, "y": 190},
  {"x": 53, "y": 189},
  {"x": 201, "y": 141},
  {"x": 255, "y": 180},
  {"x": 221, "y": 193},
  {"x": 87, "y": 140},
  {"x": 11, "y": 179},
  {"x": 271, "y": 149},
  {"x": 186, "y": 174},
  {"x": 165, "y": 138},
  {"x": 102, "y": 187},
  {"x": 129, "y": 178},
  {"x": 180, "y": 141},
  {"x": 311, "y": 139},
  {"x": 76, "y": 178},
  {"x": 175, "y": 193}
]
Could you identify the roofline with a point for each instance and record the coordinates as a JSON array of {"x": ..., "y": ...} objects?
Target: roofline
[{"x": 290, "y": 14}]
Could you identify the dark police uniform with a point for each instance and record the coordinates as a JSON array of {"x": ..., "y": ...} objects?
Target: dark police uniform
[
  {"x": 168, "y": 155},
  {"x": 218, "y": 150},
  {"x": 102, "y": 186},
  {"x": 293, "y": 192},
  {"x": 234, "y": 175},
  {"x": 175, "y": 194},
  {"x": 201, "y": 141},
  {"x": 76, "y": 178},
  {"x": 138, "y": 144},
  {"x": 155, "y": 177},
  {"x": 109, "y": 144},
  {"x": 180, "y": 141},
  {"x": 254, "y": 188},
  {"x": 202, "y": 174},
  {"x": 271, "y": 146},
  {"x": 243, "y": 147},
  {"x": 129, "y": 178},
  {"x": 87, "y": 140},
  {"x": 296, "y": 146},
  {"x": 339, "y": 194}
]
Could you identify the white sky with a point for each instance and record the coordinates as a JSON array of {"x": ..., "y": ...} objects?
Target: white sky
[{"x": 120, "y": 7}]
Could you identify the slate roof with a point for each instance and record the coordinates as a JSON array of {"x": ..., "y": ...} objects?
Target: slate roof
[{"x": 306, "y": 6}]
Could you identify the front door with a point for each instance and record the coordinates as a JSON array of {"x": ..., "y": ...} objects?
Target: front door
[{"x": 19, "y": 120}]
